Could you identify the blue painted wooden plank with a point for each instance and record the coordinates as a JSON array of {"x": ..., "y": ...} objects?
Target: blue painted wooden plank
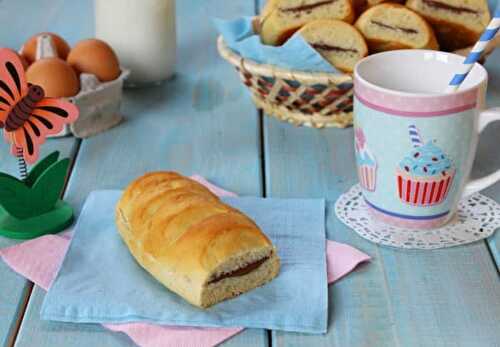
[
  {"x": 488, "y": 159},
  {"x": 35, "y": 332},
  {"x": 403, "y": 298},
  {"x": 444, "y": 297},
  {"x": 22, "y": 21},
  {"x": 304, "y": 162},
  {"x": 199, "y": 122},
  {"x": 13, "y": 287}
]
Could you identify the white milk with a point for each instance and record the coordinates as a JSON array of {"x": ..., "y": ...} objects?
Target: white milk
[{"x": 142, "y": 33}]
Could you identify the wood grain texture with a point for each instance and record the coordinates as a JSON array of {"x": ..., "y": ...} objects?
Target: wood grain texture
[
  {"x": 446, "y": 297},
  {"x": 201, "y": 122},
  {"x": 402, "y": 298},
  {"x": 14, "y": 288},
  {"x": 488, "y": 158},
  {"x": 303, "y": 162},
  {"x": 35, "y": 332}
]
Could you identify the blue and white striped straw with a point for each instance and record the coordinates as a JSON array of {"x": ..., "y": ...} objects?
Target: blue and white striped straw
[
  {"x": 475, "y": 53},
  {"x": 415, "y": 137}
]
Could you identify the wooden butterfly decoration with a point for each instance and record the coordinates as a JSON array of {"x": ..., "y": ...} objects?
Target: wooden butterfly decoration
[
  {"x": 27, "y": 117},
  {"x": 31, "y": 206}
]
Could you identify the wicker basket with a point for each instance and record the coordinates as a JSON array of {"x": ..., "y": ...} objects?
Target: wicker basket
[{"x": 314, "y": 99}]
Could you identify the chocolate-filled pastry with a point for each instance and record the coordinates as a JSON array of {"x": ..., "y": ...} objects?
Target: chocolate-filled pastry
[
  {"x": 457, "y": 23},
  {"x": 192, "y": 242},
  {"x": 393, "y": 26},
  {"x": 338, "y": 42},
  {"x": 280, "y": 19},
  {"x": 372, "y": 3},
  {"x": 359, "y": 6}
]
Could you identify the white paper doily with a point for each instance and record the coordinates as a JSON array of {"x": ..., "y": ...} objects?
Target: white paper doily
[{"x": 477, "y": 218}]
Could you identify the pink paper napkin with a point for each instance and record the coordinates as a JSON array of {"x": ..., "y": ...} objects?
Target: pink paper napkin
[{"x": 39, "y": 259}]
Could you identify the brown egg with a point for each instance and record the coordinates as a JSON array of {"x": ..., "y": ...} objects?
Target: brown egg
[
  {"x": 55, "y": 76},
  {"x": 29, "y": 48},
  {"x": 95, "y": 57}
]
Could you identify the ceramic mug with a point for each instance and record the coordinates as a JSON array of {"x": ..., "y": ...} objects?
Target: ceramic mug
[{"x": 415, "y": 144}]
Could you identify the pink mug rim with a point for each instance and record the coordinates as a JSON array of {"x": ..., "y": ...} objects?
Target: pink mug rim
[{"x": 359, "y": 77}]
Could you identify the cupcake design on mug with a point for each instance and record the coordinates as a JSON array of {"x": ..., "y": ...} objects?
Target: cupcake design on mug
[
  {"x": 425, "y": 176},
  {"x": 367, "y": 164}
]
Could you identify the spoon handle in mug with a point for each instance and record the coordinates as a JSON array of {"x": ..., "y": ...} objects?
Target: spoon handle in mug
[{"x": 485, "y": 117}]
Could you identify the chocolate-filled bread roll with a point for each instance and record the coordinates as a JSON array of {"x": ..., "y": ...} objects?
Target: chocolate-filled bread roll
[
  {"x": 192, "y": 242},
  {"x": 457, "y": 23},
  {"x": 393, "y": 26},
  {"x": 338, "y": 42},
  {"x": 281, "y": 18}
]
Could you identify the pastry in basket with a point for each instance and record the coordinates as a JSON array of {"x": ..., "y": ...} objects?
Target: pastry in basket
[
  {"x": 393, "y": 26},
  {"x": 458, "y": 23},
  {"x": 338, "y": 42},
  {"x": 281, "y": 18},
  {"x": 362, "y": 5},
  {"x": 372, "y": 3},
  {"x": 359, "y": 6},
  {"x": 192, "y": 242}
]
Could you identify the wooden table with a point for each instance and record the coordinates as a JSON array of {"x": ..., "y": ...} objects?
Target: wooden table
[{"x": 203, "y": 121}]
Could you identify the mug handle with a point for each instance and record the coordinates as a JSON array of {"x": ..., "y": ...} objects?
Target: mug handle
[{"x": 485, "y": 117}]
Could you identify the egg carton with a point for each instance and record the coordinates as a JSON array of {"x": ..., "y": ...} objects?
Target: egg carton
[
  {"x": 98, "y": 102},
  {"x": 99, "y": 105}
]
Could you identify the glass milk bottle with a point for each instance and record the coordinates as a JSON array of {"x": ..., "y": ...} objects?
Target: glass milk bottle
[{"x": 142, "y": 33}]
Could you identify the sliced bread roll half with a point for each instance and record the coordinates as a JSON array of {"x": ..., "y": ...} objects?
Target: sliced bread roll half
[
  {"x": 280, "y": 19},
  {"x": 338, "y": 42},
  {"x": 192, "y": 242},
  {"x": 393, "y": 26},
  {"x": 457, "y": 23}
]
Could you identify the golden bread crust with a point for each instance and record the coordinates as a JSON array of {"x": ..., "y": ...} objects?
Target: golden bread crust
[
  {"x": 454, "y": 30},
  {"x": 279, "y": 20},
  {"x": 182, "y": 233},
  {"x": 377, "y": 43},
  {"x": 340, "y": 43}
]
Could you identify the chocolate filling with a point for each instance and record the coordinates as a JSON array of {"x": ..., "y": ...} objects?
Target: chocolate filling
[
  {"x": 324, "y": 47},
  {"x": 239, "y": 272},
  {"x": 307, "y": 7},
  {"x": 455, "y": 9},
  {"x": 405, "y": 30}
]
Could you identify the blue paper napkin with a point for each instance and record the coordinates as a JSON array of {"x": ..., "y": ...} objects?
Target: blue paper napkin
[
  {"x": 100, "y": 282},
  {"x": 295, "y": 54}
]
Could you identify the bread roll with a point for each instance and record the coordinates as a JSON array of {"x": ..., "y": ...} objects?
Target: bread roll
[
  {"x": 190, "y": 241},
  {"x": 457, "y": 23},
  {"x": 392, "y": 26},
  {"x": 372, "y": 3},
  {"x": 281, "y": 18},
  {"x": 361, "y": 5},
  {"x": 338, "y": 42}
]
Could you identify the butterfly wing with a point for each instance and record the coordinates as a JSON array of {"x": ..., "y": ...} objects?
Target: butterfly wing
[
  {"x": 52, "y": 114},
  {"x": 25, "y": 139},
  {"x": 9, "y": 138},
  {"x": 13, "y": 85},
  {"x": 47, "y": 118}
]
